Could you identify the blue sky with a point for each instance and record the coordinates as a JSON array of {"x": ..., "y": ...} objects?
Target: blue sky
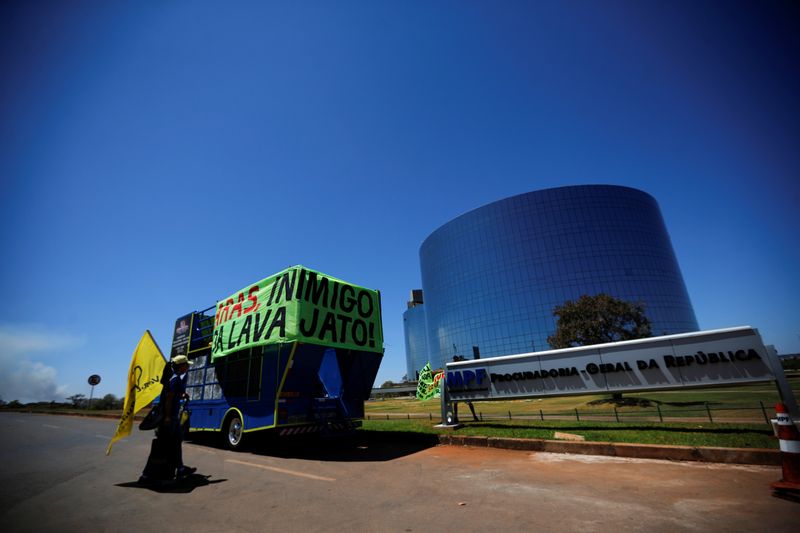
[{"x": 157, "y": 156}]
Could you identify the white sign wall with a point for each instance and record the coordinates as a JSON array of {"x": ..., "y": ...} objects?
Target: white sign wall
[{"x": 701, "y": 359}]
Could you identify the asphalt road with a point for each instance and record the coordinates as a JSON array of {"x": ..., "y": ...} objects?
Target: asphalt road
[{"x": 55, "y": 476}]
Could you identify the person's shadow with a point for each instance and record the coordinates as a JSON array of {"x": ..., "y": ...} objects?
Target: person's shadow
[{"x": 177, "y": 486}]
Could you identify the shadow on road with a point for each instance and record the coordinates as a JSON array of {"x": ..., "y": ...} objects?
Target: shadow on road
[
  {"x": 788, "y": 496},
  {"x": 179, "y": 486},
  {"x": 368, "y": 446},
  {"x": 365, "y": 446}
]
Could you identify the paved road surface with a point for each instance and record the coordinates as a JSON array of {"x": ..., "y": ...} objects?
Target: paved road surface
[{"x": 55, "y": 476}]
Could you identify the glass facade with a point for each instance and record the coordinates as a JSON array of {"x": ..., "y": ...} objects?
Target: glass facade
[
  {"x": 493, "y": 276},
  {"x": 416, "y": 340}
]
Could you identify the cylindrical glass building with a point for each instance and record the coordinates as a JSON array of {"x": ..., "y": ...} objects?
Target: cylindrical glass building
[{"x": 492, "y": 277}]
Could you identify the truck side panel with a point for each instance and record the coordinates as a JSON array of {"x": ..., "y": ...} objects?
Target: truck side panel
[{"x": 282, "y": 385}]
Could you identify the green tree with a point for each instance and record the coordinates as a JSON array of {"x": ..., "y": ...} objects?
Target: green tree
[
  {"x": 77, "y": 400},
  {"x": 598, "y": 319},
  {"x": 109, "y": 401}
]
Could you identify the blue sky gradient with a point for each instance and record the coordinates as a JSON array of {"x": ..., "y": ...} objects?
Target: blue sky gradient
[{"x": 157, "y": 156}]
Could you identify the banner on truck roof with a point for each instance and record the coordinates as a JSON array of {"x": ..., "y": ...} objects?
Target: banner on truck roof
[
  {"x": 180, "y": 336},
  {"x": 298, "y": 304}
]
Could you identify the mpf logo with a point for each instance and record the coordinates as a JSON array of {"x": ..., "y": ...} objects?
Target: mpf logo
[{"x": 462, "y": 380}]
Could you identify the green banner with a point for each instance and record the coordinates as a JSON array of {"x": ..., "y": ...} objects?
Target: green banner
[
  {"x": 299, "y": 304},
  {"x": 428, "y": 384}
]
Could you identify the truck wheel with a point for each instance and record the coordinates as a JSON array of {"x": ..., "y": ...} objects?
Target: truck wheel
[{"x": 234, "y": 432}]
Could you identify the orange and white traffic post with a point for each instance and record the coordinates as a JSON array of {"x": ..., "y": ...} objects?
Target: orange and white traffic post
[{"x": 789, "y": 438}]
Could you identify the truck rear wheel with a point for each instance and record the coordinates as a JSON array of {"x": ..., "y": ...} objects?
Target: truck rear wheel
[{"x": 233, "y": 432}]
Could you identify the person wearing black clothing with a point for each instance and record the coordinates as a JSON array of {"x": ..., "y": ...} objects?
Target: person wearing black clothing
[{"x": 166, "y": 456}]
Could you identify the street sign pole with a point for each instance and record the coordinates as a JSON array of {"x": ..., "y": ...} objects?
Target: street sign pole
[{"x": 94, "y": 379}]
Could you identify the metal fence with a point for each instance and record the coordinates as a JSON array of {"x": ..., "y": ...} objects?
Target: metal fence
[{"x": 706, "y": 412}]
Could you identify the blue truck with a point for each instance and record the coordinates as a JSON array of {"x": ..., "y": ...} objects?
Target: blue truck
[{"x": 295, "y": 353}]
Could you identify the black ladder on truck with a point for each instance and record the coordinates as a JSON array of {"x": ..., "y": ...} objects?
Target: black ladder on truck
[{"x": 202, "y": 331}]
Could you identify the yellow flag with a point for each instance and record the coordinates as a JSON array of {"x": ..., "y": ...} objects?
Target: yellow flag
[{"x": 144, "y": 384}]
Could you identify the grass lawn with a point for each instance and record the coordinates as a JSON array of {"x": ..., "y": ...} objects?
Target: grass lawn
[
  {"x": 737, "y": 414},
  {"x": 737, "y": 404},
  {"x": 716, "y": 435}
]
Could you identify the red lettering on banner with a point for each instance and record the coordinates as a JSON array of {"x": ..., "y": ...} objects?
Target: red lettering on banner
[
  {"x": 238, "y": 307},
  {"x": 252, "y": 295},
  {"x": 225, "y": 311}
]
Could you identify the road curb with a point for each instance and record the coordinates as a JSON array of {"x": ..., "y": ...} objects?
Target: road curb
[{"x": 750, "y": 456}]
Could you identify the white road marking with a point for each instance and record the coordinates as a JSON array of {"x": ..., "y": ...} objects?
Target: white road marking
[
  {"x": 49, "y": 426},
  {"x": 103, "y": 437},
  {"x": 196, "y": 448},
  {"x": 281, "y": 470}
]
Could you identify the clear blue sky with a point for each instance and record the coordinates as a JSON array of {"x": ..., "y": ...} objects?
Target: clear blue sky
[{"x": 157, "y": 156}]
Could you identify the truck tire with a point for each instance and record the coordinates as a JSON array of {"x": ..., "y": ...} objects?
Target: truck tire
[{"x": 233, "y": 432}]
